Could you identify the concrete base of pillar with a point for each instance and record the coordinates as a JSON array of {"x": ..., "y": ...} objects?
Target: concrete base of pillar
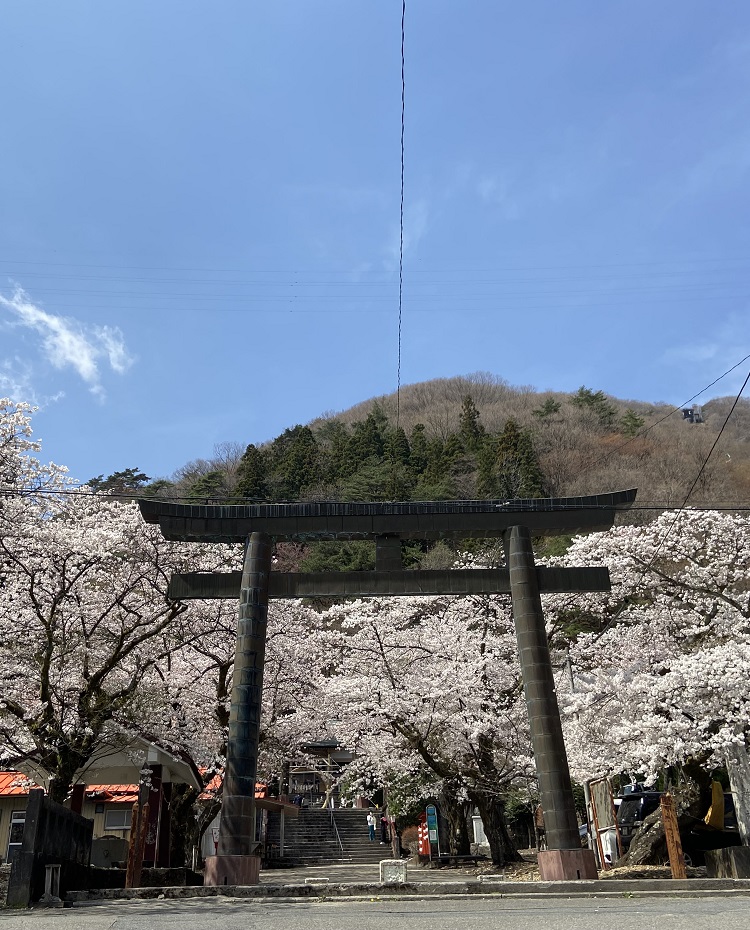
[
  {"x": 232, "y": 870},
  {"x": 556, "y": 865}
]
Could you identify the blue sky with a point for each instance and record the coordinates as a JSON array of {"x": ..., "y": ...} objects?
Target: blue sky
[{"x": 199, "y": 208}]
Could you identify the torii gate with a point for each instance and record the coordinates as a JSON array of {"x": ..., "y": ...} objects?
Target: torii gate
[{"x": 515, "y": 521}]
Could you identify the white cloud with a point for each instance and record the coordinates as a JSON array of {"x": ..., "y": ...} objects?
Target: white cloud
[
  {"x": 15, "y": 380},
  {"x": 713, "y": 350},
  {"x": 416, "y": 217},
  {"x": 66, "y": 343},
  {"x": 113, "y": 344}
]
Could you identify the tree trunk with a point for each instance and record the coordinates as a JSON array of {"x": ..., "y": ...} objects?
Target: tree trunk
[
  {"x": 492, "y": 811},
  {"x": 63, "y": 767},
  {"x": 455, "y": 813},
  {"x": 738, "y": 766},
  {"x": 183, "y": 826},
  {"x": 284, "y": 780}
]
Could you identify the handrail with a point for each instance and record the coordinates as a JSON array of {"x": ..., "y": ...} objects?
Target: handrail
[{"x": 336, "y": 830}]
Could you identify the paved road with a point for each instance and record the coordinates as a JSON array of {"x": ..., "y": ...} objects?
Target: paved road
[{"x": 726, "y": 913}]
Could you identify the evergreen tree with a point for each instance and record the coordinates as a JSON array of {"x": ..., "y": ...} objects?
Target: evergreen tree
[
  {"x": 354, "y": 555},
  {"x": 453, "y": 451},
  {"x": 508, "y": 466},
  {"x": 397, "y": 447},
  {"x": 418, "y": 449},
  {"x": 597, "y": 403},
  {"x": 470, "y": 430},
  {"x": 209, "y": 488},
  {"x": 126, "y": 482},
  {"x": 160, "y": 487},
  {"x": 333, "y": 442},
  {"x": 630, "y": 423},
  {"x": 367, "y": 440},
  {"x": 251, "y": 474},
  {"x": 548, "y": 409},
  {"x": 433, "y": 488},
  {"x": 294, "y": 462},
  {"x": 370, "y": 482}
]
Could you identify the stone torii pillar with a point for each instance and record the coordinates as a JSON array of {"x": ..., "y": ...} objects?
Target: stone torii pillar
[
  {"x": 237, "y": 861},
  {"x": 564, "y": 857}
]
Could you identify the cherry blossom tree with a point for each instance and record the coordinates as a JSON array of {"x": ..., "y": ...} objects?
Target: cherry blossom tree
[
  {"x": 661, "y": 676},
  {"x": 426, "y": 690},
  {"x": 84, "y": 613}
]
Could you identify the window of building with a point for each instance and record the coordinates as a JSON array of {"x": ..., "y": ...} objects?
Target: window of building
[
  {"x": 15, "y": 835},
  {"x": 117, "y": 818}
]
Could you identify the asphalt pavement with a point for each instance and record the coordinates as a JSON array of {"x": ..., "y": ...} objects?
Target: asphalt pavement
[{"x": 704, "y": 913}]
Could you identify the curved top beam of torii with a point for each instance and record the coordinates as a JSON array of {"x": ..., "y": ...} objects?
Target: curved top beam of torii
[{"x": 228, "y": 523}]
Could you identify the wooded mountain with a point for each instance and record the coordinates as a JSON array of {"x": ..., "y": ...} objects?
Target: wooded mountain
[
  {"x": 477, "y": 436},
  {"x": 472, "y": 437}
]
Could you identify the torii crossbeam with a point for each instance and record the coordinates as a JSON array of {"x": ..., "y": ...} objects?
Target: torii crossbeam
[{"x": 515, "y": 521}]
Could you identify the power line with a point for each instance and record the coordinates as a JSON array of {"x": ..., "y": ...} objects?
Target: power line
[
  {"x": 641, "y": 433},
  {"x": 12, "y": 491},
  {"x": 531, "y": 268},
  {"x": 700, "y": 472},
  {"x": 401, "y": 218},
  {"x": 679, "y": 510}
]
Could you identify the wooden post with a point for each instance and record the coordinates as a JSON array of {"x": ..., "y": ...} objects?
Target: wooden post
[
  {"x": 672, "y": 833},
  {"x": 137, "y": 844},
  {"x": 132, "y": 845}
]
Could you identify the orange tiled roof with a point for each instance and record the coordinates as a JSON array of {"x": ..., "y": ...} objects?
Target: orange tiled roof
[
  {"x": 14, "y": 784},
  {"x": 214, "y": 786},
  {"x": 17, "y": 784},
  {"x": 114, "y": 794}
]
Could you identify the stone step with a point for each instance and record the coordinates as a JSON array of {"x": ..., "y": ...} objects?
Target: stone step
[{"x": 310, "y": 837}]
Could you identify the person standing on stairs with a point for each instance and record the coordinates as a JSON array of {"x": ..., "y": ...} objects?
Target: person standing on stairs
[
  {"x": 371, "y": 825},
  {"x": 383, "y": 829}
]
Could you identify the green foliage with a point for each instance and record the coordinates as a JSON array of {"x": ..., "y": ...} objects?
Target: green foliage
[
  {"x": 294, "y": 463},
  {"x": 597, "y": 403},
  {"x": 574, "y": 621},
  {"x": 158, "y": 488},
  {"x": 430, "y": 488},
  {"x": 120, "y": 482},
  {"x": 211, "y": 486},
  {"x": 368, "y": 438},
  {"x": 470, "y": 430},
  {"x": 354, "y": 555},
  {"x": 251, "y": 474},
  {"x": 552, "y": 546},
  {"x": 548, "y": 409},
  {"x": 369, "y": 483},
  {"x": 397, "y": 447},
  {"x": 509, "y": 467},
  {"x": 630, "y": 423},
  {"x": 419, "y": 448}
]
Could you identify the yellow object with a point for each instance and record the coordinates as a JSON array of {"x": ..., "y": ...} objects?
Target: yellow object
[{"x": 715, "y": 816}]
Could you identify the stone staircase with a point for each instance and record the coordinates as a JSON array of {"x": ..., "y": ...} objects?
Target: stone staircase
[
  {"x": 312, "y": 838},
  {"x": 355, "y": 838}
]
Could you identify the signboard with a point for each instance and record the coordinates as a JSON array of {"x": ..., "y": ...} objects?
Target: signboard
[
  {"x": 604, "y": 822},
  {"x": 432, "y": 828}
]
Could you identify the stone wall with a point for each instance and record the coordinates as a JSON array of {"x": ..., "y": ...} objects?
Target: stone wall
[{"x": 4, "y": 879}]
